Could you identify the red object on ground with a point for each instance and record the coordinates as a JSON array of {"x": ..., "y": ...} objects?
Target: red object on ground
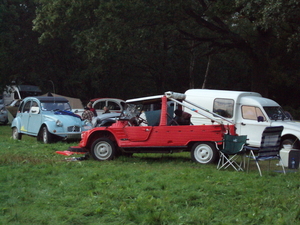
[{"x": 68, "y": 153}]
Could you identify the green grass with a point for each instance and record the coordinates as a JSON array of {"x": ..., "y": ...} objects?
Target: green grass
[{"x": 39, "y": 187}]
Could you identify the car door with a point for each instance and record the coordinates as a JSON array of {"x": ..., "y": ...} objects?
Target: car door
[
  {"x": 138, "y": 133},
  {"x": 35, "y": 118},
  {"x": 249, "y": 125},
  {"x": 24, "y": 116}
]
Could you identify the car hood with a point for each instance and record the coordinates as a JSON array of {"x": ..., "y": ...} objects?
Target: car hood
[
  {"x": 108, "y": 115},
  {"x": 290, "y": 127},
  {"x": 64, "y": 118}
]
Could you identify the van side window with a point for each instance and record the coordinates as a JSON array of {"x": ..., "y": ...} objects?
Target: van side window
[
  {"x": 223, "y": 107},
  {"x": 251, "y": 112}
]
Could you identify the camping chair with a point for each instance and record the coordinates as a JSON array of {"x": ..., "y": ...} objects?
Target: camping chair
[
  {"x": 269, "y": 148},
  {"x": 233, "y": 147}
]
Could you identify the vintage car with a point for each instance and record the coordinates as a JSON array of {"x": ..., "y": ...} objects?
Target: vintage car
[
  {"x": 114, "y": 105},
  {"x": 146, "y": 126},
  {"x": 3, "y": 116},
  {"x": 47, "y": 118}
]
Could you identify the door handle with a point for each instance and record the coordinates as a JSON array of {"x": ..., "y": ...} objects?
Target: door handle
[{"x": 243, "y": 124}]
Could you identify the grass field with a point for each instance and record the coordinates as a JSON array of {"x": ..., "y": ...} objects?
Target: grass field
[{"x": 39, "y": 186}]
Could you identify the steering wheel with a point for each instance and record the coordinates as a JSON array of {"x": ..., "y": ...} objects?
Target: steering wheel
[{"x": 140, "y": 120}]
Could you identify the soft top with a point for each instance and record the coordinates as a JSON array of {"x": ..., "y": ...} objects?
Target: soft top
[{"x": 50, "y": 99}]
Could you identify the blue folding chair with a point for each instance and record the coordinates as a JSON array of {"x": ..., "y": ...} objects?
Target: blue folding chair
[{"x": 269, "y": 148}]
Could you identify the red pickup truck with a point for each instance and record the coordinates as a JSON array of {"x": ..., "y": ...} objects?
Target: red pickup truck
[{"x": 147, "y": 126}]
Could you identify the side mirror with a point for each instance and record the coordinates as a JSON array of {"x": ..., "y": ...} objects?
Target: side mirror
[
  {"x": 260, "y": 119},
  {"x": 34, "y": 110}
]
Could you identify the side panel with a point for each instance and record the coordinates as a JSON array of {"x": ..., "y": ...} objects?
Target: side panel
[{"x": 172, "y": 136}]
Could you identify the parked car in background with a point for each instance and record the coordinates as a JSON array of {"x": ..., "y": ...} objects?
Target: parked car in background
[
  {"x": 114, "y": 105},
  {"x": 47, "y": 118},
  {"x": 3, "y": 116},
  {"x": 12, "y": 109},
  {"x": 105, "y": 120}
]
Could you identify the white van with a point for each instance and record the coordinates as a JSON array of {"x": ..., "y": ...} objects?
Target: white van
[{"x": 249, "y": 111}]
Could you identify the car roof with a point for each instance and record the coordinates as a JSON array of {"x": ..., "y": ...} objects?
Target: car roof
[
  {"x": 104, "y": 99},
  {"x": 49, "y": 99}
]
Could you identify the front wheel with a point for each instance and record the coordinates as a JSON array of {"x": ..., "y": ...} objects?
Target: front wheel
[
  {"x": 103, "y": 149},
  {"x": 15, "y": 134},
  {"x": 204, "y": 153},
  {"x": 294, "y": 143},
  {"x": 46, "y": 136}
]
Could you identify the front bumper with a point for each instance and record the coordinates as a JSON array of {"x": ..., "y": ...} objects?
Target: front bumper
[{"x": 73, "y": 135}]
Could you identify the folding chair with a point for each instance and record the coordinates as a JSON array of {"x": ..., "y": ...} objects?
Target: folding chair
[
  {"x": 233, "y": 147},
  {"x": 269, "y": 148}
]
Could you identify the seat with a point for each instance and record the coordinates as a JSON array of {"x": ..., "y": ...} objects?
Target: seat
[
  {"x": 233, "y": 147},
  {"x": 269, "y": 148}
]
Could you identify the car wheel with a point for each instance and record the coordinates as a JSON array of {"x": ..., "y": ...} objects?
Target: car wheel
[
  {"x": 46, "y": 137},
  {"x": 292, "y": 142},
  {"x": 204, "y": 153},
  {"x": 103, "y": 149},
  {"x": 15, "y": 134}
]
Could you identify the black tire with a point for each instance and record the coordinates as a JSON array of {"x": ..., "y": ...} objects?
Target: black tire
[
  {"x": 103, "y": 149},
  {"x": 292, "y": 142},
  {"x": 15, "y": 134},
  {"x": 46, "y": 136},
  {"x": 204, "y": 153}
]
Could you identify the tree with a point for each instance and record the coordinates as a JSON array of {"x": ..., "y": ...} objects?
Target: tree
[{"x": 245, "y": 26}]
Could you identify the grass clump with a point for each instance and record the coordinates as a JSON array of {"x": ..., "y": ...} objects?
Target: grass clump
[{"x": 39, "y": 187}]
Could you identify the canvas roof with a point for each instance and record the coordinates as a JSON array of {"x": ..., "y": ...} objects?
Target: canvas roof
[{"x": 74, "y": 102}]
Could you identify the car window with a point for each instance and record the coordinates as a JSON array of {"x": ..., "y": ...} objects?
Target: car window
[
  {"x": 26, "y": 107},
  {"x": 34, "y": 105},
  {"x": 21, "y": 106},
  {"x": 49, "y": 106},
  {"x": 100, "y": 105},
  {"x": 251, "y": 112},
  {"x": 223, "y": 107},
  {"x": 113, "y": 106}
]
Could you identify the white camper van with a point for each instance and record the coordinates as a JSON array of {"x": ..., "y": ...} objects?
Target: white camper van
[{"x": 249, "y": 111}]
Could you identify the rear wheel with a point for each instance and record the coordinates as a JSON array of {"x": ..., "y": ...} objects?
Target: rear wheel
[
  {"x": 204, "y": 152},
  {"x": 15, "y": 134},
  {"x": 103, "y": 149}
]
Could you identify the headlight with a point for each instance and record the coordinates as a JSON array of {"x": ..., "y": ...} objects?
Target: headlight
[
  {"x": 59, "y": 123},
  {"x": 86, "y": 123}
]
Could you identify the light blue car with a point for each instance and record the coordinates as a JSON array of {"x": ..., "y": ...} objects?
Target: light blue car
[{"x": 49, "y": 119}]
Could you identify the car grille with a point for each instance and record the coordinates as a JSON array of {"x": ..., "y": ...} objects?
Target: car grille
[{"x": 74, "y": 129}]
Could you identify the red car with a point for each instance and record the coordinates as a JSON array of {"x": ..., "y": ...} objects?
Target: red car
[{"x": 147, "y": 126}]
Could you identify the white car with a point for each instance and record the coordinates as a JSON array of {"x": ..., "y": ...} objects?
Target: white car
[{"x": 114, "y": 105}]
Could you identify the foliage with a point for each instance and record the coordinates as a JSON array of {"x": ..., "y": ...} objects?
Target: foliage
[
  {"x": 40, "y": 187},
  {"x": 124, "y": 49}
]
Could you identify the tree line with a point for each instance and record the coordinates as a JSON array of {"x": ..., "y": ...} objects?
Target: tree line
[{"x": 134, "y": 48}]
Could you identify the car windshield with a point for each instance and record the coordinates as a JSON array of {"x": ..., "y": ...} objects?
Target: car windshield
[
  {"x": 276, "y": 113},
  {"x": 55, "y": 106},
  {"x": 131, "y": 110}
]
